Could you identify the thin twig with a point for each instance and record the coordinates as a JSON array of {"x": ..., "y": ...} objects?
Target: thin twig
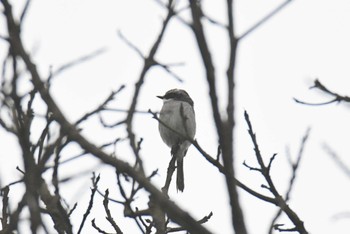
[
  {"x": 97, "y": 228},
  {"x": 101, "y": 106},
  {"x": 24, "y": 11},
  {"x": 170, "y": 72},
  {"x": 77, "y": 61},
  {"x": 108, "y": 212},
  {"x": 130, "y": 44},
  {"x": 265, "y": 171},
  {"x": 201, "y": 221},
  {"x": 149, "y": 61},
  {"x": 336, "y": 97},
  {"x": 294, "y": 166},
  {"x": 339, "y": 162},
  {"x": 5, "y": 207},
  {"x": 207, "y": 60},
  {"x": 265, "y": 19},
  {"x": 95, "y": 181}
]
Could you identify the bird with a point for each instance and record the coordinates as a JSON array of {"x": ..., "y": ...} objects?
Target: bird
[{"x": 177, "y": 125}]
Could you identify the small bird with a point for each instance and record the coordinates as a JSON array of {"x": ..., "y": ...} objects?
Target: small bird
[{"x": 177, "y": 123}]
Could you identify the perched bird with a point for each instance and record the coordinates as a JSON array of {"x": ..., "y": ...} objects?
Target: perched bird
[{"x": 177, "y": 123}]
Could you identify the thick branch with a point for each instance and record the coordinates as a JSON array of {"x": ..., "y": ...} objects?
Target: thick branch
[{"x": 198, "y": 31}]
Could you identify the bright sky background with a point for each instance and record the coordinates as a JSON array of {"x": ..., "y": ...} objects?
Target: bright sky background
[{"x": 278, "y": 61}]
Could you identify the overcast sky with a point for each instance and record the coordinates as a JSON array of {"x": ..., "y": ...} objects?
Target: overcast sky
[{"x": 276, "y": 62}]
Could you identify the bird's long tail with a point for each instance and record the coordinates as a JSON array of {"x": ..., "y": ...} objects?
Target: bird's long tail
[{"x": 180, "y": 184}]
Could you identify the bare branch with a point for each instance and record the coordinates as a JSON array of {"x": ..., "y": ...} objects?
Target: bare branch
[
  {"x": 215, "y": 22},
  {"x": 108, "y": 212},
  {"x": 251, "y": 168},
  {"x": 149, "y": 61},
  {"x": 339, "y": 162},
  {"x": 316, "y": 104},
  {"x": 24, "y": 12},
  {"x": 170, "y": 72},
  {"x": 95, "y": 181},
  {"x": 216, "y": 163},
  {"x": 5, "y": 208},
  {"x": 130, "y": 44},
  {"x": 336, "y": 97},
  {"x": 77, "y": 61},
  {"x": 101, "y": 107},
  {"x": 198, "y": 31},
  {"x": 265, "y": 19},
  {"x": 265, "y": 171},
  {"x": 294, "y": 167},
  {"x": 201, "y": 221},
  {"x": 97, "y": 228}
]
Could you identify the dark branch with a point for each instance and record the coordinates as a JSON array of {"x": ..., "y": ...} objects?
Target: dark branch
[
  {"x": 294, "y": 165},
  {"x": 108, "y": 212},
  {"x": 336, "y": 97},
  {"x": 265, "y": 171},
  {"x": 95, "y": 181}
]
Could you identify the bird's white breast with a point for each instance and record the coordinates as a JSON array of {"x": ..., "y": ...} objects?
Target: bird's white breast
[{"x": 181, "y": 119}]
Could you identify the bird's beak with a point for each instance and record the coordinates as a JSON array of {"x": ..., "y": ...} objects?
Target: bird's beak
[{"x": 161, "y": 97}]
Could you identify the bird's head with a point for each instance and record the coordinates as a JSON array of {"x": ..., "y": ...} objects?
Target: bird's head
[{"x": 177, "y": 95}]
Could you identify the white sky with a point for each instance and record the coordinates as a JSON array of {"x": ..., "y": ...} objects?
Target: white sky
[{"x": 307, "y": 40}]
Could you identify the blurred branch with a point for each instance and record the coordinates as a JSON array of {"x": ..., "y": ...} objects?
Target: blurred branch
[
  {"x": 338, "y": 161},
  {"x": 206, "y": 57},
  {"x": 24, "y": 11},
  {"x": 14, "y": 217},
  {"x": 215, "y": 22},
  {"x": 55, "y": 209},
  {"x": 101, "y": 107},
  {"x": 130, "y": 44},
  {"x": 5, "y": 208},
  {"x": 265, "y": 19},
  {"x": 224, "y": 128},
  {"x": 226, "y": 141},
  {"x": 295, "y": 166},
  {"x": 201, "y": 221},
  {"x": 77, "y": 61},
  {"x": 166, "y": 68},
  {"x": 341, "y": 215},
  {"x": 336, "y": 97},
  {"x": 176, "y": 12}
]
